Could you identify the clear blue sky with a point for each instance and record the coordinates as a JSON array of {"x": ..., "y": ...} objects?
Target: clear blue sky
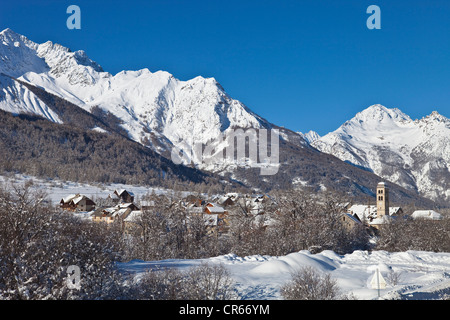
[{"x": 310, "y": 64}]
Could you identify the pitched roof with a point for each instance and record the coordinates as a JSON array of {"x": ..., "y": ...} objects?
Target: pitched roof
[
  {"x": 147, "y": 203},
  {"x": 120, "y": 191},
  {"x": 363, "y": 211},
  {"x": 69, "y": 198},
  {"x": 369, "y": 211},
  {"x": 133, "y": 216},
  {"x": 381, "y": 220},
  {"x": 77, "y": 199},
  {"x": 215, "y": 209},
  {"x": 426, "y": 214},
  {"x": 394, "y": 210},
  {"x": 351, "y": 217}
]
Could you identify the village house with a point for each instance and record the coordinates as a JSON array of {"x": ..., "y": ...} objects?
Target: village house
[
  {"x": 228, "y": 199},
  {"x": 216, "y": 216},
  {"x": 77, "y": 202},
  {"x": 349, "y": 221},
  {"x": 426, "y": 215},
  {"x": 117, "y": 213},
  {"x": 211, "y": 207},
  {"x": 103, "y": 215},
  {"x": 122, "y": 195},
  {"x": 132, "y": 221}
]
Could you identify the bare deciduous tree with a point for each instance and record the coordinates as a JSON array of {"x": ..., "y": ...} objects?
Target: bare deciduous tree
[{"x": 309, "y": 284}]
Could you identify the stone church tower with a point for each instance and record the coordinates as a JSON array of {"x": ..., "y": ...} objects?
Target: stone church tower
[{"x": 382, "y": 200}]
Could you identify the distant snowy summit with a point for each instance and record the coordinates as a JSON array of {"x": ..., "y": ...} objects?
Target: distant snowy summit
[{"x": 413, "y": 153}]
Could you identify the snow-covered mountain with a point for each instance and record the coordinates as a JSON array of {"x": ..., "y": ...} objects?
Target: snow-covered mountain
[
  {"x": 157, "y": 109},
  {"x": 161, "y": 112},
  {"x": 310, "y": 136},
  {"x": 412, "y": 153}
]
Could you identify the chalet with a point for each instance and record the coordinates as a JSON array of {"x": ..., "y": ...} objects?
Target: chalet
[
  {"x": 131, "y": 221},
  {"x": 129, "y": 205},
  {"x": 227, "y": 202},
  {"x": 213, "y": 224},
  {"x": 216, "y": 217},
  {"x": 77, "y": 202},
  {"x": 111, "y": 214},
  {"x": 122, "y": 195}
]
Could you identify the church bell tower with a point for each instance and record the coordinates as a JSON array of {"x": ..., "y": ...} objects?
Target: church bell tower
[{"x": 382, "y": 200}]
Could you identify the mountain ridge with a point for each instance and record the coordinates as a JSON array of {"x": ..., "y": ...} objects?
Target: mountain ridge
[
  {"x": 412, "y": 153},
  {"x": 161, "y": 112}
]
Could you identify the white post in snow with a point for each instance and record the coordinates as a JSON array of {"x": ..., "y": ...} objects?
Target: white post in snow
[{"x": 378, "y": 281}]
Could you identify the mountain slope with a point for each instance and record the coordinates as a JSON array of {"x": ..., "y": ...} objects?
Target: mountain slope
[
  {"x": 412, "y": 153},
  {"x": 156, "y": 109},
  {"x": 310, "y": 136},
  {"x": 17, "y": 98},
  {"x": 153, "y": 106},
  {"x": 38, "y": 147},
  {"x": 162, "y": 113}
]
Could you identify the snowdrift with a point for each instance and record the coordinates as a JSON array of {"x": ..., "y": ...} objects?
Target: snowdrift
[{"x": 409, "y": 275}]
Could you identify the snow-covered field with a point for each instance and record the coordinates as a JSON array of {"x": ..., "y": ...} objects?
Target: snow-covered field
[
  {"x": 421, "y": 275},
  {"x": 56, "y": 190}
]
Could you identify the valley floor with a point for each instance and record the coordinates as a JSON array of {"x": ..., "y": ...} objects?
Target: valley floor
[{"x": 420, "y": 275}]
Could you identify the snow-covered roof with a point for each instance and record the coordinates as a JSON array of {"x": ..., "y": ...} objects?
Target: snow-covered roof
[
  {"x": 380, "y": 220},
  {"x": 69, "y": 197},
  {"x": 363, "y": 211},
  {"x": 426, "y": 214},
  {"x": 125, "y": 205},
  {"x": 393, "y": 210},
  {"x": 133, "y": 216},
  {"x": 222, "y": 199},
  {"x": 216, "y": 209},
  {"x": 147, "y": 203},
  {"x": 232, "y": 195},
  {"x": 77, "y": 199},
  {"x": 120, "y": 212},
  {"x": 120, "y": 191},
  {"x": 369, "y": 211}
]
